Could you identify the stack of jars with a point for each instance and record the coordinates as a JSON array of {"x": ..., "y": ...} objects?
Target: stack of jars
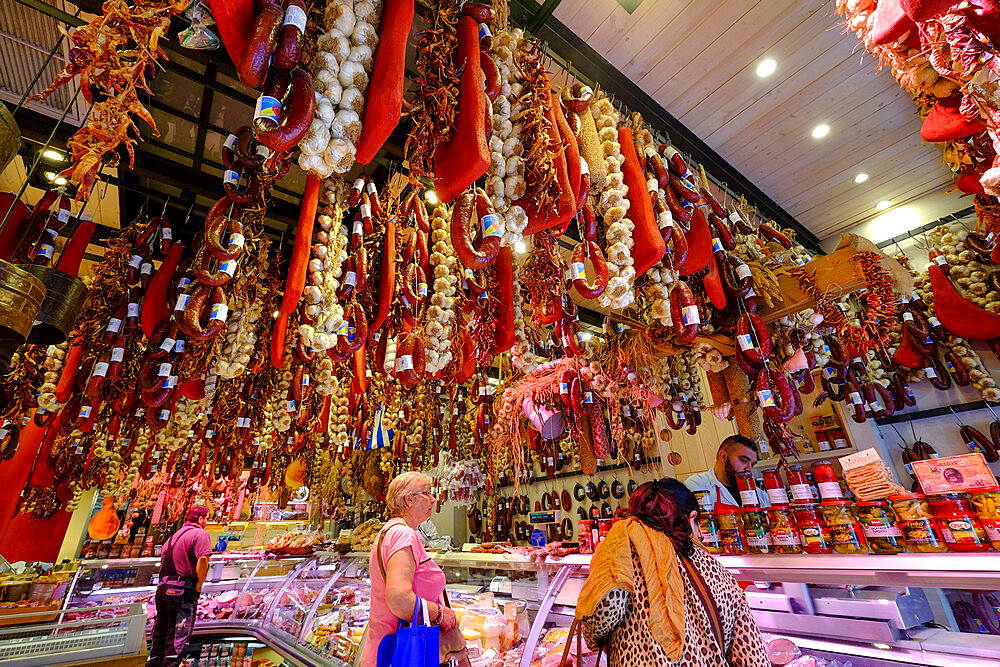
[{"x": 906, "y": 522}]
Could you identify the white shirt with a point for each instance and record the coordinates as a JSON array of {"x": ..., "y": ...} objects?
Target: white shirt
[{"x": 707, "y": 481}]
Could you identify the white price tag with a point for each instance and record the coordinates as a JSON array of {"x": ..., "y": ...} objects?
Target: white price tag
[
  {"x": 117, "y": 354},
  {"x": 578, "y": 271},
  {"x": 404, "y": 363},
  {"x": 135, "y": 262},
  {"x": 182, "y": 301},
  {"x": 230, "y": 141},
  {"x": 717, "y": 245},
  {"x": 228, "y": 267},
  {"x": 179, "y": 346},
  {"x": 237, "y": 240},
  {"x": 167, "y": 234},
  {"x": 366, "y": 211},
  {"x": 100, "y": 369},
  {"x": 371, "y": 189},
  {"x": 147, "y": 268},
  {"x": 165, "y": 369},
  {"x": 690, "y": 315},
  {"x": 359, "y": 184},
  {"x": 940, "y": 260},
  {"x": 168, "y": 344},
  {"x": 933, "y": 321},
  {"x": 743, "y": 271},
  {"x": 230, "y": 177},
  {"x": 746, "y": 343},
  {"x": 491, "y": 225},
  {"x": 907, "y": 317},
  {"x": 295, "y": 16},
  {"x": 171, "y": 382},
  {"x": 63, "y": 215},
  {"x": 766, "y": 398},
  {"x": 132, "y": 310},
  {"x": 219, "y": 312},
  {"x": 114, "y": 325},
  {"x": 930, "y": 372},
  {"x": 855, "y": 398}
]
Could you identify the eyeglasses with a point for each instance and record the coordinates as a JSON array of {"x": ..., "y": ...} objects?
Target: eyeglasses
[{"x": 423, "y": 493}]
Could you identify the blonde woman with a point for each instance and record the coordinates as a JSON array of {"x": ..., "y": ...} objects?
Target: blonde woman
[{"x": 400, "y": 568}]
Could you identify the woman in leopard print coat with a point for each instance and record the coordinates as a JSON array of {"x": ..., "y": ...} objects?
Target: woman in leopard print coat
[{"x": 621, "y": 620}]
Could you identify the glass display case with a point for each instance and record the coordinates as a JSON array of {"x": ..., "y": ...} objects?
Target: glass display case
[{"x": 926, "y": 609}]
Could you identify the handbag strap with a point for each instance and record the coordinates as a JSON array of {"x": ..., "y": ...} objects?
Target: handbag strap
[
  {"x": 378, "y": 547},
  {"x": 707, "y": 601},
  {"x": 576, "y": 629}
]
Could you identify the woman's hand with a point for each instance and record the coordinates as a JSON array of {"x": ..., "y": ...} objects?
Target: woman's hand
[{"x": 448, "y": 618}]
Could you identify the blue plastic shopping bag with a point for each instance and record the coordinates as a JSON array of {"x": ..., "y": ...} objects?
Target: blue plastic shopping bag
[{"x": 413, "y": 645}]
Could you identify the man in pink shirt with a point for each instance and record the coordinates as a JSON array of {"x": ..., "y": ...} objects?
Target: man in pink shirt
[{"x": 183, "y": 568}]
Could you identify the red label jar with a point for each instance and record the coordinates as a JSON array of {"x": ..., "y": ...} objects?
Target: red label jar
[
  {"x": 731, "y": 531},
  {"x": 812, "y": 526},
  {"x": 826, "y": 480},
  {"x": 799, "y": 484},
  {"x": 748, "y": 489},
  {"x": 958, "y": 523},
  {"x": 775, "y": 488}
]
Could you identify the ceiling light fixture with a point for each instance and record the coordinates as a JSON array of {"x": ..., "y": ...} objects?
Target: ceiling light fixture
[
  {"x": 882, "y": 205},
  {"x": 50, "y": 154},
  {"x": 520, "y": 247},
  {"x": 431, "y": 197},
  {"x": 50, "y": 175},
  {"x": 766, "y": 67},
  {"x": 861, "y": 178},
  {"x": 820, "y": 131},
  {"x": 59, "y": 180}
]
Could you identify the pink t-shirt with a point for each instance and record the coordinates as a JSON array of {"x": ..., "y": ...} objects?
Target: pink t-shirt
[{"x": 428, "y": 583}]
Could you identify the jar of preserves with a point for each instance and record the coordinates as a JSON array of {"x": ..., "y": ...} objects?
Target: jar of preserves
[
  {"x": 958, "y": 523},
  {"x": 781, "y": 528},
  {"x": 748, "y": 489},
  {"x": 775, "y": 487},
  {"x": 913, "y": 516},
  {"x": 844, "y": 529},
  {"x": 709, "y": 533},
  {"x": 731, "y": 531},
  {"x": 987, "y": 506},
  {"x": 878, "y": 523},
  {"x": 755, "y": 530},
  {"x": 812, "y": 526},
  {"x": 801, "y": 493},
  {"x": 826, "y": 481}
]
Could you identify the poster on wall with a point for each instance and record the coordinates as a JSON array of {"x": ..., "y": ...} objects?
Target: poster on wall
[{"x": 954, "y": 474}]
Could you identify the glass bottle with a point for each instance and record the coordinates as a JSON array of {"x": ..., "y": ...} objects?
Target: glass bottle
[
  {"x": 958, "y": 523},
  {"x": 987, "y": 506},
  {"x": 826, "y": 480},
  {"x": 812, "y": 526},
  {"x": 775, "y": 488},
  {"x": 755, "y": 530},
  {"x": 709, "y": 528},
  {"x": 844, "y": 529},
  {"x": 748, "y": 489},
  {"x": 878, "y": 522},
  {"x": 731, "y": 531},
  {"x": 801, "y": 493},
  {"x": 913, "y": 516},
  {"x": 784, "y": 536}
]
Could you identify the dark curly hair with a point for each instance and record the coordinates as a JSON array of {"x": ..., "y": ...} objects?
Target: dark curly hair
[{"x": 665, "y": 506}]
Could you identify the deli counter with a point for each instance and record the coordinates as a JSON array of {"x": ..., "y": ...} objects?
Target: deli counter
[{"x": 858, "y": 610}]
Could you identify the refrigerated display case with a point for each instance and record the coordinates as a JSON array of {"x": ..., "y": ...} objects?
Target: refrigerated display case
[{"x": 863, "y": 610}]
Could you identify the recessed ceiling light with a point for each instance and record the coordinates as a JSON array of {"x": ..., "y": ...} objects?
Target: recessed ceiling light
[
  {"x": 882, "y": 205},
  {"x": 431, "y": 197},
  {"x": 59, "y": 181},
  {"x": 50, "y": 175},
  {"x": 820, "y": 131},
  {"x": 52, "y": 155},
  {"x": 520, "y": 247},
  {"x": 766, "y": 67},
  {"x": 861, "y": 178}
]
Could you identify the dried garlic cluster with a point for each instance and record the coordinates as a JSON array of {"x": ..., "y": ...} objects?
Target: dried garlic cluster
[
  {"x": 55, "y": 358},
  {"x": 441, "y": 313},
  {"x": 522, "y": 355},
  {"x": 613, "y": 206},
  {"x": 505, "y": 179},
  {"x": 340, "y": 69},
  {"x": 325, "y": 270},
  {"x": 965, "y": 268},
  {"x": 241, "y": 334},
  {"x": 339, "y": 416}
]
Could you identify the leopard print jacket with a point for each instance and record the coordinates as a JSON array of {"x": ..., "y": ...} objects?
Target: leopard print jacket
[{"x": 621, "y": 622}]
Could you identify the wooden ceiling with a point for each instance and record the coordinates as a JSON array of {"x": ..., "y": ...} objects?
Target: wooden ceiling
[{"x": 698, "y": 59}]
